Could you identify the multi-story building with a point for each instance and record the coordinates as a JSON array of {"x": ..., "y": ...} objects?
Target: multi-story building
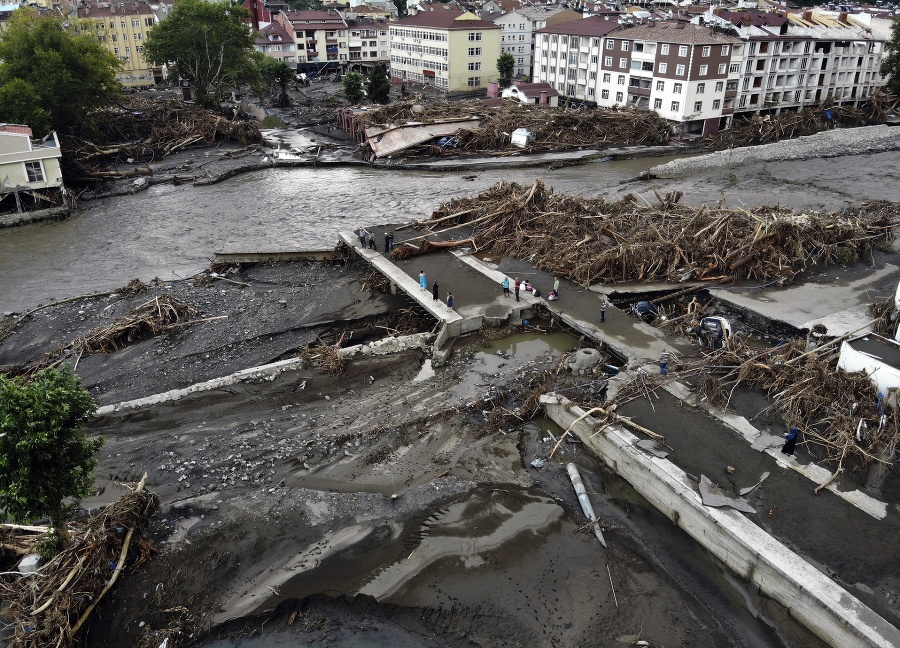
[
  {"x": 29, "y": 170},
  {"x": 122, "y": 27},
  {"x": 804, "y": 59},
  {"x": 320, "y": 37},
  {"x": 448, "y": 49},
  {"x": 518, "y": 28},
  {"x": 274, "y": 41},
  {"x": 369, "y": 43}
]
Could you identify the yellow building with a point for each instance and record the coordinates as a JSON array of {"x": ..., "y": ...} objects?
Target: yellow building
[
  {"x": 447, "y": 49},
  {"x": 122, "y": 27}
]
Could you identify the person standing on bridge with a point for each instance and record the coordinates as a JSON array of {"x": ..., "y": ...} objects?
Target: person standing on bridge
[
  {"x": 372, "y": 245},
  {"x": 434, "y": 291},
  {"x": 790, "y": 441},
  {"x": 423, "y": 282},
  {"x": 603, "y": 304},
  {"x": 664, "y": 363},
  {"x": 505, "y": 284},
  {"x": 387, "y": 243},
  {"x": 363, "y": 237},
  {"x": 517, "y": 286},
  {"x": 556, "y": 286},
  {"x": 449, "y": 300}
]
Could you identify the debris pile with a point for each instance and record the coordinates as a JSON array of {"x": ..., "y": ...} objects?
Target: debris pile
[
  {"x": 552, "y": 129},
  {"x": 763, "y": 129},
  {"x": 145, "y": 130},
  {"x": 49, "y": 606},
  {"x": 591, "y": 240},
  {"x": 149, "y": 319}
]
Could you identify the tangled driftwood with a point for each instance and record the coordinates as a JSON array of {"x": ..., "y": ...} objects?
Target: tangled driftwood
[
  {"x": 591, "y": 240},
  {"x": 48, "y": 607},
  {"x": 552, "y": 128}
]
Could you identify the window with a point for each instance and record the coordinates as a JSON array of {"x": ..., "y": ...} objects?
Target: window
[
  {"x": 592, "y": 76},
  {"x": 619, "y": 96},
  {"x": 722, "y": 68},
  {"x": 474, "y": 36},
  {"x": 682, "y": 50},
  {"x": 573, "y": 58},
  {"x": 635, "y": 65},
  {"x": 123, "y": 24},
  {"x": 135, "y": 23},
  {"x": 621, "y": 80},
  {"x": 474, "y": 82},
  {"x": 474, "y": 51},
  {"x": 661, "y": 86},
  {"x": 148, "y": 22},
  {"x": 703, "y": 70},
  {"x": 35, "y": 171},
  {"x": 590, "y": 92},
  {"x": 124, "y": 37},
  {"x": 726, "y": 50},
  {"x": 716, "y": 104},
  {"x": 679, "y": 70},
  {"x": 698, "y": 106},
  {"x": 701, "y": 88},
  {"x": 664, "y": 49},
  {"x": 719, "y": 86},
  {"x": 138, "y": 36},
  {"x": 128, "y": 50},
  {"x": 606, "y": 77},
  {"x": 607, "y": 61},
  {"x": 676, "y": 106},
  {"x": 610, "y": 43},
  {"x": 139, "y": 48},
  {"x": 116, "y": 51},
  {"x": 707, "y": 50},
  {"x": 647, "y": 66},
  {"x": 605, "y": 94},
  {"x": 623, "y": 62},
  {"x": 474, "y": 67},
  {"x": 734, "y": 68},
  {"x": 594, "y": 59},
  {"x": 638, "y": 47},
  {"x": 677, "y": 88},
  {"x": 657, "y": 104},
  {"x": 663, "y": 67},
  {"x": 624, "y": 45}
]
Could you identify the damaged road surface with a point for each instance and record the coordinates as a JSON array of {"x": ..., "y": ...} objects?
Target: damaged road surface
[{"x": 392, "y": 503}]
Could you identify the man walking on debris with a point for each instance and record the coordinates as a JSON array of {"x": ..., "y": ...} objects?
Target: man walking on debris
[
  {"x": 434, "y": 291},
  {"x": 423, "y": 282},
  {"x": 664, "y": 363},
  {"x": 603, "y": 304}
]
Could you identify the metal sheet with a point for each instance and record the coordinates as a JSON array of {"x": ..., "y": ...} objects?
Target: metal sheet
[{"x": 385, "y": 142}]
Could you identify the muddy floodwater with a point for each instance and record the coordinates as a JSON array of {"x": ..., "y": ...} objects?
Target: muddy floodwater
[{"x": 173, "y": 231}]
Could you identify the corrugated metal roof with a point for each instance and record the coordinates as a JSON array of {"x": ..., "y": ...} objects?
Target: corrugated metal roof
[{"x": 386, "y": 142}]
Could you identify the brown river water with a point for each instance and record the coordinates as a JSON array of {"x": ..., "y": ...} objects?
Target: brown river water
[{"x": 174, "y": 231}]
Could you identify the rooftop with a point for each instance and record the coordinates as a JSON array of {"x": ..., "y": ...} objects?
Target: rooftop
[
  {"x": 450, "y": 19},
  {"x": 106, "y": 9},
  {"x": 665, "y": 32},
  {"x": 593, "y": 26}
]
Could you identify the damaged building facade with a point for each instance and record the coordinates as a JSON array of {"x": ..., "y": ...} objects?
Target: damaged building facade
[
  {"x": 30, "y": 175},
  {"x": 699, "y": 75}
]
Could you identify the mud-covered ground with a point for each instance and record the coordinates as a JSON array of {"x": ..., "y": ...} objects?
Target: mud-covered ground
[{"x": 378, "y": 505}]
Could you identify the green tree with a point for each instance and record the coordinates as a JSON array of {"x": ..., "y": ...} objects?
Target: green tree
[
  {"x": 209, "y": 43},
  {"x": 51, "y": 77},
  {"x": 890, "y": 66},
  {"x": 353, "y": 87},
  {"x": 379, "y": 87},
  {"x": 45, "y": 457},
  {"x": 505, "y": 66},
  {"x": 276, "y": 74}
]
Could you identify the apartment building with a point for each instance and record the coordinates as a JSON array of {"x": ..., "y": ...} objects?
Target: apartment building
[
  {"x": 448, "y": 49},
  {"x": 369, "y": 43},
  {"x": 122, "y": 27},
  {"x": 30, "y": 174},
  {"x": 273, "y": 40},
  {"x": 517, "y": 29},
  {"x": 803, "y": 59},
  {"x": 321, "y": 38}
]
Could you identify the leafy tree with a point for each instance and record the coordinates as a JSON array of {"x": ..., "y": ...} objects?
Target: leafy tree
[
  {"x": 45, "y": 457},
  {"x": 890, "y": 66},
  {"x": 51, "y": 78},
  {"x": 379, "y": 88},
  {"x": 276, "y": 74},
  {"x": 401, "y": 7},
  {"x": 353, "y": 87},
  {"x": 505, "y": 66},
  {"x": 209, "y": 43}
]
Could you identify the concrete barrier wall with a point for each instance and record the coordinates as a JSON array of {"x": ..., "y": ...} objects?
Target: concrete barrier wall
[{"x": 815, "y": 600}]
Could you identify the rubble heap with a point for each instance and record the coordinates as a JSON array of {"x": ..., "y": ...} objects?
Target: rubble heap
[
  {"x": 591, "y": 240},
  {"x": 553, "y": 129}
]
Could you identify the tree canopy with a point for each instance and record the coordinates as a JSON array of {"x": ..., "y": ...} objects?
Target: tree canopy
[
  {"x": 276, "y": 74},
  {"x": 210, "y": 45},
  {"x": 353, "y": 87},
  {"x": 379, "y": 88},
  {"x": 506, "y": 63},
  {"x": 50, "y": 77},
  {"x": 45, "y": 457},
  {"x": 890, "y": 65}
]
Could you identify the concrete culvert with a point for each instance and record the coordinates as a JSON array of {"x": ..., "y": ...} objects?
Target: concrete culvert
[{"x": 583, "y": 361}]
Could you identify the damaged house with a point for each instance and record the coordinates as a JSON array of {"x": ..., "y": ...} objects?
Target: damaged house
[{"x": 30, "y": 175}]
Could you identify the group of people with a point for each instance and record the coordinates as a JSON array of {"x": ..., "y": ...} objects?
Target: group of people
[
  {"x": 527, "y": 286},
  {"x": 367, "y": 240},
  {"x": 423, "y": 284}
]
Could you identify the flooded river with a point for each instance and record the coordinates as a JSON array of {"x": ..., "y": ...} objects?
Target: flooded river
[{"x": 174, "y": 231}]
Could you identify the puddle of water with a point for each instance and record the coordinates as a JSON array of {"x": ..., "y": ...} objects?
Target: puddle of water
[
  {"x": 523, "y": 347},
  {"x": 426, "y": 372}
]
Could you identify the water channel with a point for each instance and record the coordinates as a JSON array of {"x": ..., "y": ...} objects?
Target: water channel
[{"x": 173, "y": 231}]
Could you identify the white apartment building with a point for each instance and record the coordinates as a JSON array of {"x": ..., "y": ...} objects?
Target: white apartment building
[{"x": 518, "y": 28}]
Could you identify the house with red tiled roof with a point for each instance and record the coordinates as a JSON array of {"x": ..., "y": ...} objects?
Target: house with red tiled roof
[
  {"x": 274, "y": 41},
  {"x": 538, "y": 94},
  {"x": 450, "y": 50}
]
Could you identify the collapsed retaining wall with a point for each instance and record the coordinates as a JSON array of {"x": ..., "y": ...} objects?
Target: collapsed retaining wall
[
  {"x": 815, "y": 600},
  {"x": 833, "y": 143}
]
